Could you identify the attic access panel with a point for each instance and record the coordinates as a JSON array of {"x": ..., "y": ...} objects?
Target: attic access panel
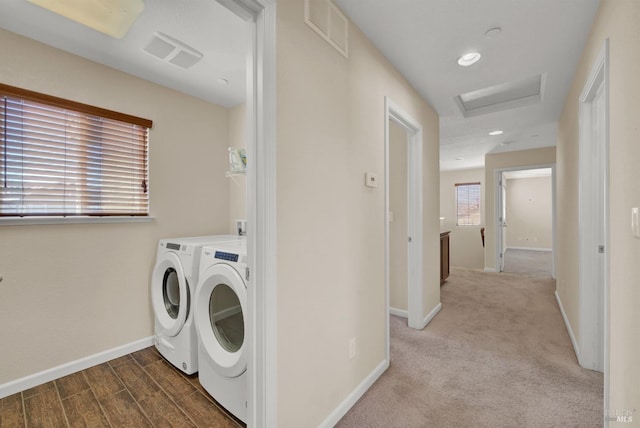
[{"x": 505, "y": 96}]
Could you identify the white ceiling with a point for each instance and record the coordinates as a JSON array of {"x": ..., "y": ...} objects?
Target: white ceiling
[
  {"x": 424, "y": 38},
  {"x": 204, "y": 25}
]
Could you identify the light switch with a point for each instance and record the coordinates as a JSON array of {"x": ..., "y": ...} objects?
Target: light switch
[
  {"x": 635, "y": 223},
  {"x": 390, "y": 216},
  {"x": 370, "y": 179}
]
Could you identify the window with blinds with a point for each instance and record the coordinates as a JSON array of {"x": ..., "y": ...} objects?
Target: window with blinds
[
  {"x": 62, "y": 158},
  {"x": 468, "y": 204}
]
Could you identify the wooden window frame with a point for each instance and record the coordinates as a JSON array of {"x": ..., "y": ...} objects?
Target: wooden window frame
[{"x": 87, "y": 116}]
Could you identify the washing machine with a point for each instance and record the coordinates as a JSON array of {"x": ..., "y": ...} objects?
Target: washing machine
[
  {"x": 220, "y": 316},
  {"x": 173, "y": 284}
]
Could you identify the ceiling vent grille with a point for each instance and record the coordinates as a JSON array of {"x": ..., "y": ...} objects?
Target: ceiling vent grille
[
  {"x": 326, "y": 19},
  {"x": 168, "y": 49},
  {"x": 501, "y": 97}
]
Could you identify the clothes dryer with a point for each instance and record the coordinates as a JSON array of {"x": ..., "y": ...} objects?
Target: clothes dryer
[
  {"x": 173, "y": 283},
  {"x": 220, "y": 317}
]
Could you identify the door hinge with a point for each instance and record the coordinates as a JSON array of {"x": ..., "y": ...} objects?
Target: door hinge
[
  {"x": 246, "y": 273},
  {"x": 601, "y": 249},
  {"x": 500, "y": 255}
]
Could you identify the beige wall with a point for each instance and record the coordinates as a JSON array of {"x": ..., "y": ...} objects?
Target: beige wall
[
  {"x": 70, "y": 291},
  {"x": 398, "y": 197},
  {"x": 237, "y": 183},
  {"x": 465, "y": 242},
  {"x": 529, "y": 212},
  {"x": 492, "y": 162},
  {"x": 618, "y": 20},
  {"x": 330, "y": 131}
]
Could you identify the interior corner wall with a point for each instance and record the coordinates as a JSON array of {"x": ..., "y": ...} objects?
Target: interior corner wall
[
  {"x": 74, "y": 290},
  {"x": 330, "y": 236},
  {"x": 505, "y": 160},
  {"x": 529, "y": 213},
  {"x": 465, "y": 242},
  {"x": 398, "y": 227},
  {"x": 237, "y": 183},
  {"x": 619, "y": 21}
]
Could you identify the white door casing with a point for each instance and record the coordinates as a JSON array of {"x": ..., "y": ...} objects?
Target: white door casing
[
  {"x": 500, "y": 210},
  {"x": 261, "y": 322},
  {"x": 415, "y": 216}
]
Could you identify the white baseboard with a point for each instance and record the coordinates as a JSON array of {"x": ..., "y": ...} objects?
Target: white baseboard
[
  {"x": 48, "y": 375},
  {"x": 354, "y": 396},
  {"x": 490, "y": 270},
  {"x": 574, "y": 342},
  {"x": 431, "y": 315},
  {"x": 529, "y": 249},
  {"x": 399, "y": 312}
]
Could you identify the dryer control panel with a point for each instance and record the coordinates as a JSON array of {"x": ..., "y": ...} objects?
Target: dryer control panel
[{"x": 230, "y": 257}]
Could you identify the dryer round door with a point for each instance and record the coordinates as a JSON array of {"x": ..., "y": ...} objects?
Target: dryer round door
[
  {"x": 221, "y": 302},
  {"x": 170, "y": 294}
]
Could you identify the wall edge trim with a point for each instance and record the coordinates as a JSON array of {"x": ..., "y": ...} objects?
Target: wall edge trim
[
  {"x": 399, "y": 312},
  {"x": 35, "y": 379},
  {"x": 431, "y": 315},
  {"x": 548, "y": 250},
  {"x": 572, "y": 337},
  {"x": 354, "y": 396}
]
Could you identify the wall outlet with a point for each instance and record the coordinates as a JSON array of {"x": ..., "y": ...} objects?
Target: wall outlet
[{"x": 352, "y": 348}]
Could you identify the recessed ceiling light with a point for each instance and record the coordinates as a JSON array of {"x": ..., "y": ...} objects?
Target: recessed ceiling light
[
  {"x": 496, "y": 132},
  {"x": 468, "y": 59},
  {"x": 113, "y": 18},
  {"x": 223, "y": 81}
]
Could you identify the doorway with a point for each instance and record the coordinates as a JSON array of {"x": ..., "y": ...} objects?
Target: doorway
[
  {"x": 260, "y": 335},
  {"x": 527, "y": 196},
  {"x": 395, "y": 117},
  {"x": 527, "y": 222}
]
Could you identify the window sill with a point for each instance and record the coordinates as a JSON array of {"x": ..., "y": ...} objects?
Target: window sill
[{"x": 28, "y": 221}]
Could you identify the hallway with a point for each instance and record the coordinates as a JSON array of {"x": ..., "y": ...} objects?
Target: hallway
[{"x": 497, "y": 355}]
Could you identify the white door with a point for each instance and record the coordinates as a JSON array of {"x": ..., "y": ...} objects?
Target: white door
[
  {"x": 502, "y": 221},
  {"x": 593, "y": 218}
]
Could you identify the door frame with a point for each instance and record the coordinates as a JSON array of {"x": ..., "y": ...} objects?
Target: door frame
[
  {"x": 498, "y": 203},
  {"x": 415, "y": 216},
  {"x": 261, "y": 334},
  {"x": 592, "y": 296}
]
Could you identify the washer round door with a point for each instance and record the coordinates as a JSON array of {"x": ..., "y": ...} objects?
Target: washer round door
[
  {"x": 221, "y": 301},
  {"x": 170, "y": 294}
]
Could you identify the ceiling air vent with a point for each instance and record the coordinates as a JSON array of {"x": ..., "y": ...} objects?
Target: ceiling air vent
[
  {"x": 327, "y": 20},
  {"x": 504, "y": 96},
  {"x": 171, "y": 50}
]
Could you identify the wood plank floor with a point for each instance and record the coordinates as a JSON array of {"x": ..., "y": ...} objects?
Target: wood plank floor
[{"x": 137, "y": 390}]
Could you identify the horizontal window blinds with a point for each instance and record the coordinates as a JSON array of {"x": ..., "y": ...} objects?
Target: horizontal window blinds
[
  {"x": 468, "y": 204},
  {"x": 56, "y": 161}
]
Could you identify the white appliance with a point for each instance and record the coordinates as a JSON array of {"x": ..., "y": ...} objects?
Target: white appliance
[
  {"x": 173, "y": 285},
  {"x": 220, "y": 316}
]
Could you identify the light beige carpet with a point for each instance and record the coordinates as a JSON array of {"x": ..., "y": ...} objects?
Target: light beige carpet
[{"x": 497, "y": 355}]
